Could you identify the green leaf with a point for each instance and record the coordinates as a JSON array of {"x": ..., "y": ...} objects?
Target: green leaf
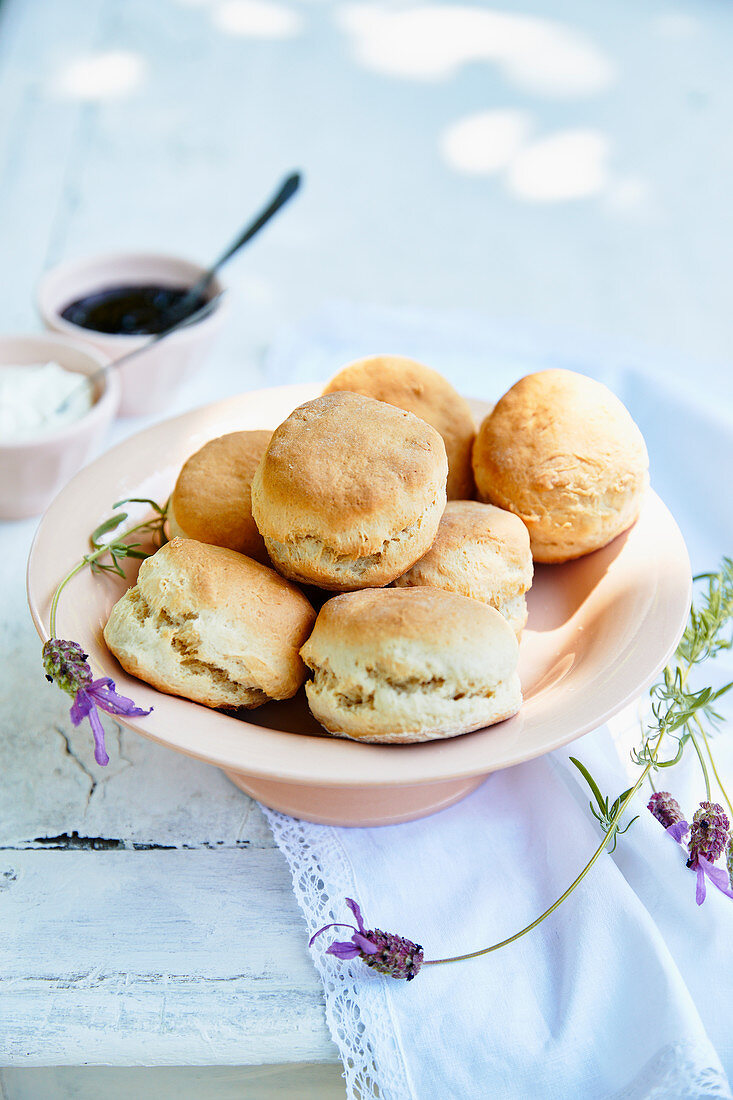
[
  {"x": 602, "y": 803},
  {"x": 108, "y": 525}
]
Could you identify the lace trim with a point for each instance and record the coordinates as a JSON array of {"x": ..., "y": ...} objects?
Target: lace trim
[
  {"x": 681, "y": 1071},
  {"x": 360, "y": 1022}
]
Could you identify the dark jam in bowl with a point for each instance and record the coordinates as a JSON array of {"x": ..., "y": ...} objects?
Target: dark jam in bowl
[{"x": 125, "y": 310}]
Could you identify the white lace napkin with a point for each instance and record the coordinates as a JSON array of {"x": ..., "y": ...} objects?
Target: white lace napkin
[{"x": 627, "y": 990}]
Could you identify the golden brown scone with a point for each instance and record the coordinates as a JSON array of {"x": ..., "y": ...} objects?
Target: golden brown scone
[
  {"x": 399, "y": 665},
  {"x": 212, "y": 499},
  {"x": 409, "y": 385},
  {"x": 482, "y": 552},
  {"x": 561, "y": 451},
  {"x": 211, "y": 625},
  {"x": 349, "y": 492}
]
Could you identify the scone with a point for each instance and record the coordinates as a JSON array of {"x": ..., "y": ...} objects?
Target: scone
[
  {"x": 349, "y": 492},
  {"x": 409, "y": 385},
  {"x": 399, "y": 665},
  {"x": 211, "y": 625},
  {"x": 212, "y": 498},
  {"x": 482, "y": 552},
  {"x": 562, "y": 452}
]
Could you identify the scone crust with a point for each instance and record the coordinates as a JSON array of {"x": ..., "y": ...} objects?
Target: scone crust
[
  {"x": 349, "y": 492},
  {"x": 562, "y": 452},
  {"x": 212, "y": 499},
  {"x": 402, "y": 665},
  {"x": 482, "y": 552},
  {"x": 211, "y": 625},
  {"x": 410, "y": 385}
]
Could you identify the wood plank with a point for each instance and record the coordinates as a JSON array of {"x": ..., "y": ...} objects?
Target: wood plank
[
  {"x": 155, "y": 957},
  {"x": 291, "y": 1082}
]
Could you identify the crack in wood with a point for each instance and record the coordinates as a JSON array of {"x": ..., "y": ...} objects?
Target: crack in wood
[
  {"x": 73, "y": 842},
  {"x": 93, "y": 843},
  {"x": 70, "y": 752}
]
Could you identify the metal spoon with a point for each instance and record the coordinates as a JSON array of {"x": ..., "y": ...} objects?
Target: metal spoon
[
  {"x": 188, "y": 311},
  {"x": 198, "y": 291},
  {"x": 183, "y": 322}
]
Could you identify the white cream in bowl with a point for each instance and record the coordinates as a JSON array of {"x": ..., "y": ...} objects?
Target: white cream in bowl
[{"x": 30, "y": 396}]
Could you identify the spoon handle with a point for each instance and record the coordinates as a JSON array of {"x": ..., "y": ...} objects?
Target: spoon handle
[
  {"x": 287, "y": 189},
  {"x": 286, "y": 192}
]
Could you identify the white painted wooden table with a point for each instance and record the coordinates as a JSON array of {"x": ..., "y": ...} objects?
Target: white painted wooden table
[{"x": 146, "y": 918}]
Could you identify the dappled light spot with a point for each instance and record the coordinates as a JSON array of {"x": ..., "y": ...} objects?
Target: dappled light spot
[
  {"x": 257, "y": 19},
  {"x": 484, "y": 143},
  {"x": 571, "y": 164},
  {"x": 112, "y": 74},
  {"x": 433, "y": 42}
]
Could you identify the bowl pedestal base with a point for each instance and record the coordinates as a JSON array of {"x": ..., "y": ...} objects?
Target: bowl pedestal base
[{"x": 362, "y": 806}]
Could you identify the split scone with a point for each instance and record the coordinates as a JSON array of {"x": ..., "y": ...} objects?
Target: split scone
[
  {"x": 349, "y": 492},
  {"x": 482, "y": 552},
  {"x": 399, "y": 665},
  {"x": 562, "y": 452},
  {"x": 410, "y": 385},
  {"x": 212, "y": 500},
  {"x": 213, "y": 626}
]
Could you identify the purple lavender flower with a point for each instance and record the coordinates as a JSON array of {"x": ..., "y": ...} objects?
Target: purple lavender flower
[
  {"x": 718, "y": 877},
  {"x": 66, "y": 665},
  {"x": 668, "y": 813},
  {"x": 708, "y": 838},
  {"x": 383, "y": 951},
  {"x": 729, "y": 860},
  {"x": 709, "y": 833}
]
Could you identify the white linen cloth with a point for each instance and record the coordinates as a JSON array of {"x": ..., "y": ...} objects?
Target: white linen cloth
[{"x": 626, "y": 990}]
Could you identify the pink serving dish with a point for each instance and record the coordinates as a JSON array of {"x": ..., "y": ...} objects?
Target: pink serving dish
[{"x": 599, "y": 631}]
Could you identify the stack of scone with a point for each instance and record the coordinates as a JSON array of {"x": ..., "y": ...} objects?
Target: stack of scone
[{"x": 367, "y": 492}]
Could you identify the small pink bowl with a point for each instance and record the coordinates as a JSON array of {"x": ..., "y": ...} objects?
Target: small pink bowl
[
  {"x": 32, "y": 471},
  {"x": 148, "y": 380}
]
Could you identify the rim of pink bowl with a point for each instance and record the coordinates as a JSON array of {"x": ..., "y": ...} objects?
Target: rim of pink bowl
[{"x": 50, "y": 311}]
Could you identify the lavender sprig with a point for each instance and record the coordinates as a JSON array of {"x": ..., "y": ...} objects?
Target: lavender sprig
[
  {"x": 384, "y": 951},
  {"x": 66, "y": 665},
  {"x": 65, "y": 662},
  {"x": 709, "y": 837},
  {"x": 675, "y": 709},
  {"x": 708, "y": 632}
]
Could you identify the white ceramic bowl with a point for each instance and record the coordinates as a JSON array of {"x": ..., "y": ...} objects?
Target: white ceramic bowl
[
  {"x": 32, "y": 471},
  {"x": 149, "y": 379}
]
